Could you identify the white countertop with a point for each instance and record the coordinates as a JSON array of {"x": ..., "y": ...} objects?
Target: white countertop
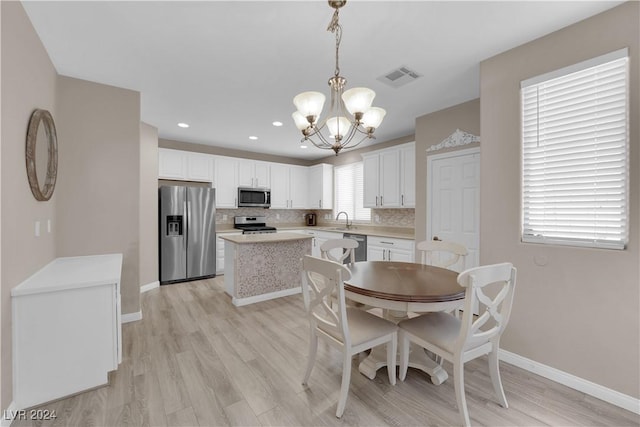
[
  {"x": 72, "y": 272},
  {"x": 264, "y": 238}
]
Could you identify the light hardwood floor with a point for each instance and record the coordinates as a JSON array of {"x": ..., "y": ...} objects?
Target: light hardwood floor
[{"x": 195, "y": 359}]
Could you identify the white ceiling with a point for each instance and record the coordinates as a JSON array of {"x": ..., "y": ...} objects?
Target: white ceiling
[{"x": 230, "y": 69}]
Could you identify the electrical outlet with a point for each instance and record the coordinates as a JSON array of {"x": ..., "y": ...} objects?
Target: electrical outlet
[
  {"x": 377, "y": 217},
  {"x": 277, "y": 216},
  {"x": 224, "y": 217},
  {"x": 48, "y": 226},
  {"x": 37, "y": 229}
]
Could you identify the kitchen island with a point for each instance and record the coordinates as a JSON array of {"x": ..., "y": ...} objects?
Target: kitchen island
[{"x": 259, "y": 267}]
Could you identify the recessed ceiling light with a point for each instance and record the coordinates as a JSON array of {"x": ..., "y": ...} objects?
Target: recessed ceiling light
[
  {"x": 278, "y": 124},
  {"x": 183, "y": 125},
  {"x": 253, "y": 138},
  {"x": 303, "y": 146}
]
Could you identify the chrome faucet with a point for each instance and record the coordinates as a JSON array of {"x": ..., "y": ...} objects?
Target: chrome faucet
[{"x": 348, "y": 224}]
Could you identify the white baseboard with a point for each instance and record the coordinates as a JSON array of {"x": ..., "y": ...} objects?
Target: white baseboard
[
  {"x": 9, "y": 414},
  {"x": 265, "y": 297},
  {"x": 149, "y": 286},
  {"x": 131, "y": 317},
  {"x": 596, "y": 390}
]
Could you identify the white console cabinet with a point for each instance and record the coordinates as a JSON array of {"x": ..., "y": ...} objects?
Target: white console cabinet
[{"x": 66, "y": 328}]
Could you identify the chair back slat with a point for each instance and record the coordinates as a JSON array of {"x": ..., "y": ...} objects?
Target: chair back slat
[
  {"x": 348, "y": 247},
  {"x": 321, "y": 279},
  {"x": 440, "y": 253},
  {"x": 495, "y": 311}
]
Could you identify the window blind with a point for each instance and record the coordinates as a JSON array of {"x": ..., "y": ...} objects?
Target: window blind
[
  {"x": 575, "y": 155},
  {"x": 349, "y": 192}
]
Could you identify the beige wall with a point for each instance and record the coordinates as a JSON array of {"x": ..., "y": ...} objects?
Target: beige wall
[
  {"x": 148, "y": 204},
  {"x": 431, "y": 129},
  {"x": 99, "y": 178},
  {"x": 28, "y": 82},
  {"x": 221, "y": 151},
  {"x": 352, "y": 156},
  {"x": 580, "y": 312}
]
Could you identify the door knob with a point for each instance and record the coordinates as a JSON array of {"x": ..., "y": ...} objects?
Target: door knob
[{"x": 437, "y": 239}]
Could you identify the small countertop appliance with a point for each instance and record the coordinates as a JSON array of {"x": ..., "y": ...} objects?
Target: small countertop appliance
[{"x": 310, "y": 219}]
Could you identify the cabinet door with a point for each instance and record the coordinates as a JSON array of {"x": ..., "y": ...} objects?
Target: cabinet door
[
  {"x": 246, "y": 173},
  {"x": 370, "y": 172},
  {"x": 389, "y": 179},
  {"x": 262, "y": 175},
  {"x": 226, "y": 169},
  {"x": 376, "y": 253},
  {"x": 279, "y": 186},
  {"x": 172, "y": 164},
  {"x": 199, "y": 167},
  {"x": 298, "y": 187},
  {"x": 315, "y": 187},
  {"x": 408, "y": 177},
  {"x": 399, "y": 255}
]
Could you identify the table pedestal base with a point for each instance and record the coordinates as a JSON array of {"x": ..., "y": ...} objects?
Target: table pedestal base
[{"x": 417, "y": 359}]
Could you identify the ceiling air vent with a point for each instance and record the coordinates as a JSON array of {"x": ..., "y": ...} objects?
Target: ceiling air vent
[{"x": 399, "y": 77}]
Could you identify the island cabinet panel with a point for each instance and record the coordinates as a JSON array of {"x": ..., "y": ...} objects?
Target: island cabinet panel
[
  {"x": 259, "y": 267},
  {"x": 66, "y": 328}
]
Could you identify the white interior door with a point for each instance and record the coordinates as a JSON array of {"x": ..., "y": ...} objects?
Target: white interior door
[{"x": 453, "y": 197}]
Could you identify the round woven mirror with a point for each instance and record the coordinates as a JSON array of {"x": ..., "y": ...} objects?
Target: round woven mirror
[{"x": 42, "y": 154}]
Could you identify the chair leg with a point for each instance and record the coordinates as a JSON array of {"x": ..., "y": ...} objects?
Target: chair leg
[
  {"x": 313, "y": 349},
  {"x": 458, "y": 384},
  {"x": 494, "y": 371},
  {"x": 392, "y": 350},
  {"x": 346, "y": 380},
  {"x": 403, "y": 342}
]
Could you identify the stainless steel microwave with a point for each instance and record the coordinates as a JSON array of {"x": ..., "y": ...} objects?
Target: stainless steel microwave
[{"x": 251, "y": 197}]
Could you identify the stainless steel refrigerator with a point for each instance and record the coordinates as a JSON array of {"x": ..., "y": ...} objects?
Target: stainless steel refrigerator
[{"x": 187, "y": 233}]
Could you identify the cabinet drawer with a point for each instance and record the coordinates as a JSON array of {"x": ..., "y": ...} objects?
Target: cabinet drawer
[{"x": 388, "y": 242}]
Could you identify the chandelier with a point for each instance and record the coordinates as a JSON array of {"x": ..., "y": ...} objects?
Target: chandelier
[{"x": 350, "y": 113}]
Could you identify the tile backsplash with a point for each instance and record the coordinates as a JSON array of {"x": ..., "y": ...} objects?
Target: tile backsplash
[
  {"x": 379, "y": 217},
  {"x": 274, "y": 216}
]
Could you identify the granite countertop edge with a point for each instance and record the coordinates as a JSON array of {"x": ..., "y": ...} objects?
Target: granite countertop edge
[{"x": 357, "y": 230}]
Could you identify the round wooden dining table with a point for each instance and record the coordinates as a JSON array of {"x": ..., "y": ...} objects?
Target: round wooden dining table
[{"x": 399, "y": 288}]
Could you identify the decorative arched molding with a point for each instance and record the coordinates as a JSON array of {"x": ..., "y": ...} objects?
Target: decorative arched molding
[{"x": 456, "y": 139}]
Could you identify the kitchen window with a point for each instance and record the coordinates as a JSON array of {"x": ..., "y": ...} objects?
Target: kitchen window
[
  {"x": 349, "y": 193},
  {"x": 575, "y": 149}
]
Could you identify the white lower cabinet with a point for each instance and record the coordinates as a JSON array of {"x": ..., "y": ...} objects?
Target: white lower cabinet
[
  {"x": 220, "y": 251},
  {"x": 66, "y": 328},
  {"x": 388, "y": 249},
  {"x": 319, "y": 237}
]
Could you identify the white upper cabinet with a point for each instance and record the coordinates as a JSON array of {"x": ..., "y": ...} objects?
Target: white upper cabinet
[
  {"x": 172, "y": 164},
  {"x": 289, "y": 186},
  {"x": 253, "y": 173},
  {"x": 389, "y": 177},
  {"x": 184, "y": 165},
  {"x": 226, "y": 182},
  {"x": 408, "y": 176},
  {"x": 199, "y": 167},
  {"x": 321, "y": 186}
]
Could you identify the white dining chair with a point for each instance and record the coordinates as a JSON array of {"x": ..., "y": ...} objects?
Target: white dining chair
[
  {"x": 440, "y": 253},
  {"x": 461, "y": 340},
  {"x": 348, "y": 247},
  {"x": 346, "y": 328}
]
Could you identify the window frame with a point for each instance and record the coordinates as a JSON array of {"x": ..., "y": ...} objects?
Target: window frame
[{"x": 526, "y": 203}]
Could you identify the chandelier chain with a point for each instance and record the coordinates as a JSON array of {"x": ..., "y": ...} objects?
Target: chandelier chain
[{"x": 335, "y": 27}]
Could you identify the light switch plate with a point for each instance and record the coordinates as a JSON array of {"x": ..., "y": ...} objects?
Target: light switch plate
[{"x": 37, "y": 229}]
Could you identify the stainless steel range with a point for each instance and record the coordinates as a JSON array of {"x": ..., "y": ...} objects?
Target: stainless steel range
[{"x": 252, "y": 224}]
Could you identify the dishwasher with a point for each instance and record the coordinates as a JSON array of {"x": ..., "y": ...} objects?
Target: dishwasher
[{"x": 361, "y": 250}]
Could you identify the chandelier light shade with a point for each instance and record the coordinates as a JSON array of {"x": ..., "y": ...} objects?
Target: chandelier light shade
[{"x": 350, "y": 113}]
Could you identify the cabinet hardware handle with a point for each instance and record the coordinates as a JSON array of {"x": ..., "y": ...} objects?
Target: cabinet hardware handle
[
  {"x": 384, "y": 254},
  {"x": 402, "y": 198},
  {"x": 381, "y": 204},
  {"x": 320, "y": 203},
  {"x": 235, "y": 202},
  {"x": 388, "y": 243},
  {"x": 389, "y": 255},
  {"x": 376, "y": 200}
]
